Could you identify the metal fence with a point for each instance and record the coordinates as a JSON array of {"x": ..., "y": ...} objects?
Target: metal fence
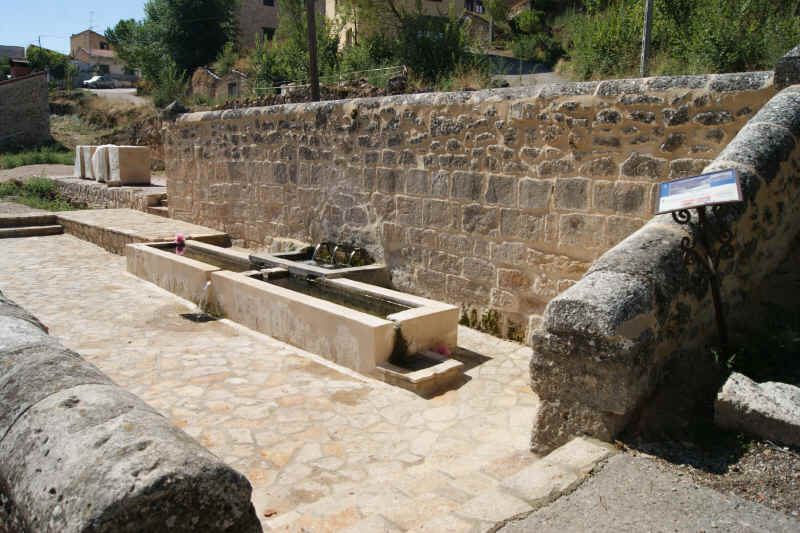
[{"x": 376, "y": 76}]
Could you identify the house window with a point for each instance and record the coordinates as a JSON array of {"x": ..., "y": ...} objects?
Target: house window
[
  {"x": 269, "y": 3},
  {"x": 103, "y": 45},
  {"x": 269, "y": 33}
]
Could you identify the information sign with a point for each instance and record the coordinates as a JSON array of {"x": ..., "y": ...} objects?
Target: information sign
[{"x": 720, "y": 187}]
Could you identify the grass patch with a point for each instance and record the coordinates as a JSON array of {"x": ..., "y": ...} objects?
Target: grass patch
[
  {"x": 39, "y": 193},
  {"x": 44, "y": 155}
]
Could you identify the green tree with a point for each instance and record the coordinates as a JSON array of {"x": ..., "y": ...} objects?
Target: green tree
[
  {"x": 43, "y": 59},
  {"x": 175, "y": 34},
  {"x": 498, "y": 12}
]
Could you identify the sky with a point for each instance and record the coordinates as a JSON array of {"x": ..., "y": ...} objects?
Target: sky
[{"x": 24, "y": 22}]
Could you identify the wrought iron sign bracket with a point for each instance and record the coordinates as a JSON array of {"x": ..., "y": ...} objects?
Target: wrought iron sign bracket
[{"x": 706, "y": 245}]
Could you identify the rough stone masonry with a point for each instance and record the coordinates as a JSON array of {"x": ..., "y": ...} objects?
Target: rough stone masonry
[
  {"x": 24, "y": 111},
  {"x": 495, "y": 200}
]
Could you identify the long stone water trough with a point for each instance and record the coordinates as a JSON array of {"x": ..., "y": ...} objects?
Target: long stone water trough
[{"x": 371, "y": 329}]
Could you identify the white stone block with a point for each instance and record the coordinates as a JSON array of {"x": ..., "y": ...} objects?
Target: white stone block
[
  {"x": 129, "y": 165},
  {"x": 86, "y": 152},
  {"x": 100, "y": 163}
]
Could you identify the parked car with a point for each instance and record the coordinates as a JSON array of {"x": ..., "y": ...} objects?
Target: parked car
[{"x": 99, "y": 82}]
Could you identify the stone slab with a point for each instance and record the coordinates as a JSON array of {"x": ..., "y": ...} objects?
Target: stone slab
[
  {"x": 128, "y": 165},
  {"x": 18, "y": 220},
  {"x": 30, "y": 231},
  {"x": 100, "y": 168},
  {"x": 559, "y": 472},
  {"x": 86, "y": 153},
  {"x": 770, "y": 410},
  {"x": 112, "y": 229}
]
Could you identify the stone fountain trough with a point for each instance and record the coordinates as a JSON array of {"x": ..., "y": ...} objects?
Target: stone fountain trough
[{"x": 354, "y": 324}]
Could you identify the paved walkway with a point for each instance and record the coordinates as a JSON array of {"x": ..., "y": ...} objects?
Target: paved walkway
[
  {"x": 325, "y": 448},
  {"x": 633, "y": 494}
]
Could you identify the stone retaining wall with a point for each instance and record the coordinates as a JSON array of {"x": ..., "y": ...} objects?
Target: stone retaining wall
[
  {"x": 80, "y": 454},
  {"x": 96, "y": 194},
  {"x": 493, "y": 200},
  {"x": 606, "y": 341},
  {"x": 24, "y": 111}
]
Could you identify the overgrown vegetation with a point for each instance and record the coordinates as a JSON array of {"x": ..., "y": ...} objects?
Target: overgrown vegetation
[
  {"x": 532, "y": 38},
  {"x": 175, "y": 37},
  {"x": 689, "y": 36},
  {"x": 40, "y": 193},
  {"x": 52, "y": 154}
]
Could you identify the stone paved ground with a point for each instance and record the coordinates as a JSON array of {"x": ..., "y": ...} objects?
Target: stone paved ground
[{"x": 324, "y": 448}]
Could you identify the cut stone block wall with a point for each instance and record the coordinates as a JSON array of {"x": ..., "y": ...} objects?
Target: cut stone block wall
[
  {"x": 495, "y": 200},
  {"x": 78, "y": 453},
  {"x": 605, "y": 342},
  {"x": 24, "y": 111}
]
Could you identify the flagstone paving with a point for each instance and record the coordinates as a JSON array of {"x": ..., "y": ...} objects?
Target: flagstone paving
[{"x": 324, "y": 448}]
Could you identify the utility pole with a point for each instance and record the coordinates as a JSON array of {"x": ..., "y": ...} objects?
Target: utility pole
[
  {"x": 313, "y": 74},
  {"x": 648, "y": 24}
]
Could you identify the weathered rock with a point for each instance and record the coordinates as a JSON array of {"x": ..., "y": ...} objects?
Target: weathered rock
[
  {"x": 79, "y": 454},
  {"x": 787, "y": 69},
  {"x": 770, "y": 410}
]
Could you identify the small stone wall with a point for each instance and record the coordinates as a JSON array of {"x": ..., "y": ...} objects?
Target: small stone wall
[
  {"x": 96, "y": 194},
  {"x": 606, "y": 341},
  {"x": 78, "y": 453},
  {"x": 24, "y": 111},
  {"x": 495, "y": 200}
]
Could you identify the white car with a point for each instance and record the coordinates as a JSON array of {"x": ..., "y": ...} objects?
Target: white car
[{"x": 99, "y": 82}]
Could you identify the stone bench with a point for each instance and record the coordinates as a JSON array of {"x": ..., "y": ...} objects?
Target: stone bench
[
  {"x": 78, "y": 453},
  {"x": 115, "y": 165}
]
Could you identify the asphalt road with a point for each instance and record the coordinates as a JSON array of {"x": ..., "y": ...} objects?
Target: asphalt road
[{"x": 125, "y": 95}]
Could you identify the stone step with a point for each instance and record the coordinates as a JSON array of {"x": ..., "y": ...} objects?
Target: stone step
[
  {"x": 31, "y": 231},
  {"x": 17, "y": 221},
  {"x": 471, "y": 503},
  {"x": 159, "y": 210}
]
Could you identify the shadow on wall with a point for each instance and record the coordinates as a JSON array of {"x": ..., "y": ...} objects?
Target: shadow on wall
[{"x": 606, "y": 343}]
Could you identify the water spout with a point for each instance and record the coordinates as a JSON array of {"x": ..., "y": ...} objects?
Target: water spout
[
  {"x": 316, "y": 252},
  {"x": 202, "y": 304}
]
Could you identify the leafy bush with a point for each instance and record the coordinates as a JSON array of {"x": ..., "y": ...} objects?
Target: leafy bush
[
  {"x": 171, "y": 85},
  {"x": 226, "y": 59},
  {"x": 433, "y": 46},
  {"x": 537, "y": 47},
  {"x": 607, "y": 42}
]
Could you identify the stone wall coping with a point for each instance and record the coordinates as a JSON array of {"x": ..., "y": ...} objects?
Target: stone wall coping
[
  {"x": 720, "y": 83},
  {"x": 614, "y": 323},
  {"x": 79, "y": 453},
  {"x": 21, "y": 78}
]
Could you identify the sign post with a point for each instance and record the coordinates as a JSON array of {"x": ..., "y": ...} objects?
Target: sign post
[{"x": 707, "y": 244}]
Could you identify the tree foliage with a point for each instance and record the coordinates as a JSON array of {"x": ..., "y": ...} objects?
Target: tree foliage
[
  {"x": 175, "y": 36},
  {"x": 53, "y": 62}
]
